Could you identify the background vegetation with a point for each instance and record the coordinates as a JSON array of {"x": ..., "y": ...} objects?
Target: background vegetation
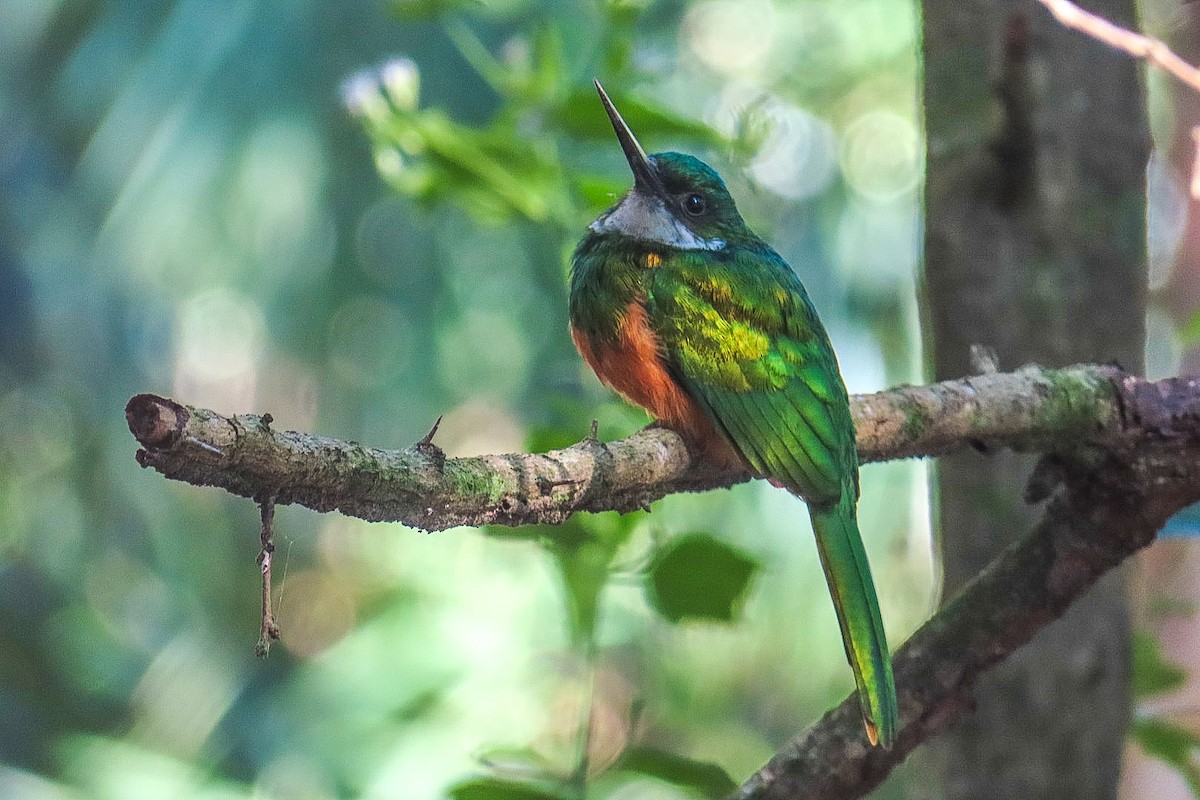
[{"x": 357, "y": 217}]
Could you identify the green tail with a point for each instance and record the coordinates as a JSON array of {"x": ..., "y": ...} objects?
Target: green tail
[{"x": 853, "y": 591}]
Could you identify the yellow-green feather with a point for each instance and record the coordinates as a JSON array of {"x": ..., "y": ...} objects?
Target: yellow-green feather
[
  {"x": 743, "y": 339},
  {"x": 849, "y": 577}
]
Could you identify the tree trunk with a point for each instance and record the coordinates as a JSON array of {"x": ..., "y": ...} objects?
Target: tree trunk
[{"x": 1034, "y": 249}]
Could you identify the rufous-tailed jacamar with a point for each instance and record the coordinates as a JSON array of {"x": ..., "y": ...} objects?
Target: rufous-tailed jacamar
[{"x": 683, "y": 310}]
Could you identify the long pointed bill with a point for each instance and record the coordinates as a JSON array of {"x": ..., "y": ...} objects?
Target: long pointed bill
[{"x": 643, "y": 173}]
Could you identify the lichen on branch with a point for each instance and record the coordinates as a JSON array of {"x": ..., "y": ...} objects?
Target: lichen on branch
[{"x": 1032, "y": 408}]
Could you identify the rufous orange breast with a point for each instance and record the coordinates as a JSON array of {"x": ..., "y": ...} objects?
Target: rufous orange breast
[{"x": 632, "y": 365}]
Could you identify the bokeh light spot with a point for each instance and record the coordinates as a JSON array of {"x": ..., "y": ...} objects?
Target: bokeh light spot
[
  {"x": 295, "y": 776},
  {"x": 318, "y": 612},
  {"x": 183, "y": 694},
  {"x": 369, "y": 341},
  {"x": 484, "y": 355},
  {"x": 881, "y": 155},
  {"x": 1164, "y": 348},
  {"x": 486, "y": 268},
  {"x": 798, "y": 155},
  {"x": 731, "y": 37},
  {"x": 878, "y": 245},
  {"x": 221, "y": 334},
  {"x": 476, "y": 427},
  {"x": 37, "y": 432},
  {"x": 133, "y": 603},
  {"x": 874, "y": 31},
  {"x": 276, "y": 194},
  {"x": 15, "y": 782}
]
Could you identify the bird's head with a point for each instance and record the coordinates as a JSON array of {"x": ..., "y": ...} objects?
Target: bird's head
[{"x": 677, "y": 200}]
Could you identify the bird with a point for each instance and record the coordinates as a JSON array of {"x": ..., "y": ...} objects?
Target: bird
[{"x": 680, "y": 308}]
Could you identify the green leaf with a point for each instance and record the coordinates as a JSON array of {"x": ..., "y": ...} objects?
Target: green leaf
[
  {"x": 1171, "y": 744},
  {"x": 544, "y": 438},
  {"x": 1153, "y": 674},
  {"x": 578, "y": 117},
  {"x": 583, "y": 549},
  {"x": 415, "y": 10},
  {"x": 698, "y": 577},
  {"x": 1189, "y": 332},
  {"x": 707, "y": 778},
  {"x": 503, "y": 789},
  {"x": 584, "y": 572},
  {"x": 599, "y": 192}
]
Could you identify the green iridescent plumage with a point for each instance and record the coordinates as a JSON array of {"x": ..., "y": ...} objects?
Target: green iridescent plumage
[{"x": 734, "y": 328}]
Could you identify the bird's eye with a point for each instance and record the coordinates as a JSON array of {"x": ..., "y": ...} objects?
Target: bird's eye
[{"x": 694, "y": 204}]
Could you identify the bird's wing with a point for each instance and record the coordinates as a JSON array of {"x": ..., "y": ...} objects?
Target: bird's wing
[{"x": 742, "y": 337}]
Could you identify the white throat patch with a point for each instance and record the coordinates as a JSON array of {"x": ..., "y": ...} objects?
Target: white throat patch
[{"x": 642, "y": 217}]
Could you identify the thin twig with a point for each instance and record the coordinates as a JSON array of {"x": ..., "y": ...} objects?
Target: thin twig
[
  {"x": 427, "y": 439},
  {"x": 1138, "y": 45},
  {"x": 1135, "y": 44},
  {"x": 1196, "y": 164},
  {"x": 270, "y": 628}
]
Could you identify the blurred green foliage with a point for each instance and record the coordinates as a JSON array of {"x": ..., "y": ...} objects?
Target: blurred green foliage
[
  {"x": 1153, "y": 674},
  {"x": 192, "y": 204},
  {"x": 1157, "y": 735},
  {"x": 1172, "y": 743},
  {"x": 697, "y": 577}
]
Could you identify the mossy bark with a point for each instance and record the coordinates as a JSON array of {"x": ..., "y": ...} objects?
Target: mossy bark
[{"x": 1034, "y": 409}]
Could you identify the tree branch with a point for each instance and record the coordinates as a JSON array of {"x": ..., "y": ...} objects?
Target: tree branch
[
  {"x": 1032, "y": 408},
  {"x": 1122, "y": 455},
  {"x": 1105, "y": 507}
]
